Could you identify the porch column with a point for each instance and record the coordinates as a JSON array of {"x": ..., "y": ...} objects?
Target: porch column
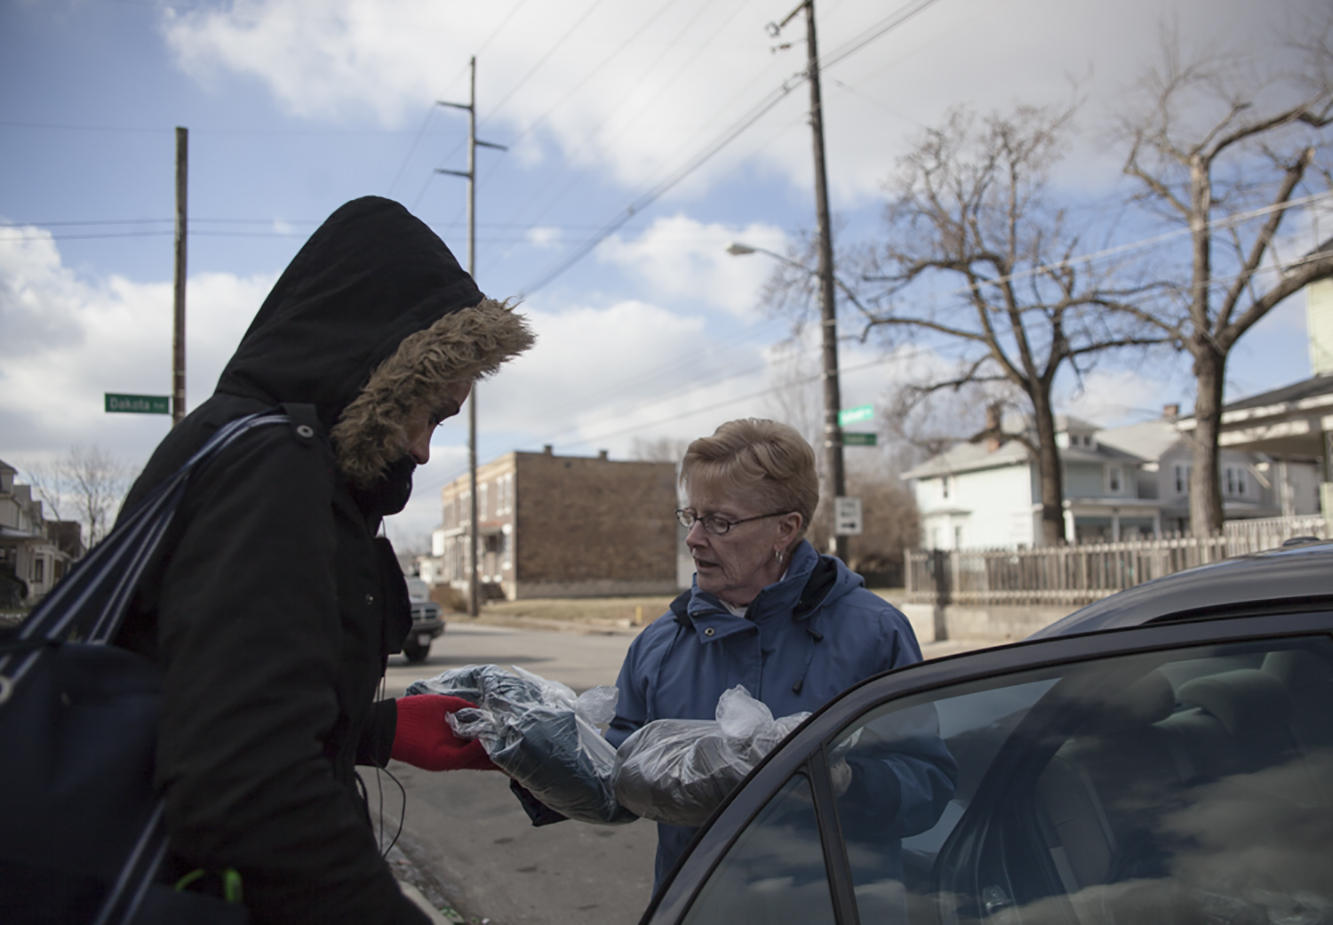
[{"x": 1326, "y": 481}]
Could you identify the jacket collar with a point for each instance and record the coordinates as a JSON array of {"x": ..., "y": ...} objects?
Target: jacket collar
[{"x": 809, "y": 580}]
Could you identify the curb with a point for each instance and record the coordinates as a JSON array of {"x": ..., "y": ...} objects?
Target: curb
[{"x": 435, "y": 915}]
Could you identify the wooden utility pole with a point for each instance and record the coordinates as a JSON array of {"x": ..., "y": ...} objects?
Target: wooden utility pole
[
  {"x": 835, "y": 481},
  {"x": 178, "y": 328},
  {"x": 474, "y": 584}
]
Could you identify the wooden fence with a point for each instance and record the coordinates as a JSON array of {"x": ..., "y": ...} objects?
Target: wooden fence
[{"x": 1080, "y": 574}]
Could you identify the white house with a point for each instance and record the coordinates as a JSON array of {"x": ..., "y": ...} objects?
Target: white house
[
  {"x": 35, "y": 550},
  {"x": 1120, "y": 483}
]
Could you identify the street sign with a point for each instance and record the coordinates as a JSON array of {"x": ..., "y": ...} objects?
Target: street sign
[
  {"x": 854, "y": 438},
  {"x": 847, "y": 517},
  {"x": 855, "y": 415},
  {"x": 138, "y": 404}
]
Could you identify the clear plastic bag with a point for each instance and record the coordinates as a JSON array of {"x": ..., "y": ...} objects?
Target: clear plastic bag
[
  {"x": 679, "y": 770},
  {"x": 541, "y": 734}
]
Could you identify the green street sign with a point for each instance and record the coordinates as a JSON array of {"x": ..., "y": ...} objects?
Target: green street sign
[
  {"x": 852, "y": 438},
  {"x": 855, "y": 415},
  {"x": 138, "y": 404}
]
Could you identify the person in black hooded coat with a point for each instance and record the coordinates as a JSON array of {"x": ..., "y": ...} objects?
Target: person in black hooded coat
[{"x": 276, "y": 605}]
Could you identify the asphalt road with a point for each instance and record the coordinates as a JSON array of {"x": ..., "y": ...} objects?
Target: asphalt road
[{"x": 467, "y": 834}]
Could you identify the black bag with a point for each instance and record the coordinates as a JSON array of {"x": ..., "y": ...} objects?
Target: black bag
[{"x": 81, "y": 827}]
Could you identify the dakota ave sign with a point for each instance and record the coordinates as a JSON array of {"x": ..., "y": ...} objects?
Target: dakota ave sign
[{"x": 138, "y": 404}]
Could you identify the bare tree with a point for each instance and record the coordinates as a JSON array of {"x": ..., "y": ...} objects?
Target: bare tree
[
  {"x": 88, "y": 485},
  {"x": 1234, "y": 159},
  {"x": 978, "y": 262},
  {"x": 891, "y": 521},
  {"x": 925, "y": 421}
]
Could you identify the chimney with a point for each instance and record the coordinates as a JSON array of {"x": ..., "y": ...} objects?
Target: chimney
[
  {"x": 992, "y": 427},
  {"x": 1171, "y": 412},
  {"x": 548, "y": 449},
  {"x": 601, "y": 454}
]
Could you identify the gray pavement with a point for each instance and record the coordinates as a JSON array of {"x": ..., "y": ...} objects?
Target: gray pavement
[{"x": 467, "y": 845}]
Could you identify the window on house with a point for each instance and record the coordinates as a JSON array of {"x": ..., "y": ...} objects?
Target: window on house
[
  {"x": 39, "y": 570},
  {"x": 1233, "y": 478},
  {"x": 944, "y": 487},
  {"x": 1115, "y": 479},
  {"x": 483, "y": 491},
  {"x": 1182, "y": 478}
]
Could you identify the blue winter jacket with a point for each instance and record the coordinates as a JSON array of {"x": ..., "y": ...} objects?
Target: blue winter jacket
[{"x": 803, "y": 640}]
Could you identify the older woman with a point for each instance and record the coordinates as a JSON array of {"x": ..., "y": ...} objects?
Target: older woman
[{"x": 768, "y": 612}]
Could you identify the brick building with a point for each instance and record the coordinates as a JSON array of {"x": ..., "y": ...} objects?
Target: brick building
[{"x": 561, "y": 526}]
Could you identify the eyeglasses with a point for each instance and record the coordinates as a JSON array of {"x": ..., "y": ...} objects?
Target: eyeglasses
[{"x": 716, "y": 524}]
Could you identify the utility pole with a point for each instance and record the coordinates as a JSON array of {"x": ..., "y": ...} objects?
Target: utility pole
[
  {"x": 474, "y": 585},
  {"x": 178, "y": 328},
  {"x": 834, "y": 473}
]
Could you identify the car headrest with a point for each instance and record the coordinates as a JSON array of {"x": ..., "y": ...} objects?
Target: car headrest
[
  {"x": 1141, "y": 703},
  {"x": 1302, "y": 672},
  {"x": 1246, "y": 701}
]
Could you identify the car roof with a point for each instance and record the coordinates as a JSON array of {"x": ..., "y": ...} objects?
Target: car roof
[{"x": 1296, "y": 573}]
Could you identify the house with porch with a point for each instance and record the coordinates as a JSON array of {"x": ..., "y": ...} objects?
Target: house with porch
[
  {"x": 1121, "y": 483},
  {"x": 35, "y": 552}
]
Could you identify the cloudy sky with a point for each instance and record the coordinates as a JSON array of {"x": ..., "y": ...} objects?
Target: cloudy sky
[{"x": 642, "y": 138}]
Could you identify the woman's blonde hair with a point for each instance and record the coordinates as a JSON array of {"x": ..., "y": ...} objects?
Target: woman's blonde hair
[{"x": 766, "y": 458}]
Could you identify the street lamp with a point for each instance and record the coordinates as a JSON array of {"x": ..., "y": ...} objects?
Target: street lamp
[{"x": 835, "y": 482}]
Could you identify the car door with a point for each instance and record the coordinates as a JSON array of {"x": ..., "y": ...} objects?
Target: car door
[{"x": 1176, "y": 772}]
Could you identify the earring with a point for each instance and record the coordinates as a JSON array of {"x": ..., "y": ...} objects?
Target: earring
[{"x": 777, "y": 554}]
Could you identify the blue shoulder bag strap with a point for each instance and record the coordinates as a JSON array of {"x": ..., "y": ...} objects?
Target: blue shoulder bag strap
[{"x": 88, "y": 606}]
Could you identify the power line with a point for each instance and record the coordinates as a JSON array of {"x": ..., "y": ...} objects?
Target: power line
[
  {"x": 558, "y": 43},
  {"x": 638, "y": 103},
  {"x": 773, "y": 98},
  {"x": 698, "y": 160},
  {"x": 750, "y": 396},
  {"x": 1222, "y": 221}
]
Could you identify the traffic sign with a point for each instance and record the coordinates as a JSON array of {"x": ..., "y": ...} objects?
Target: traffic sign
[
  {"x": 855, "y": 415},
  {"x": 847, "y": 516},
  {"x": 138, "y": 404},
  {"x": 854, "y": 438}
]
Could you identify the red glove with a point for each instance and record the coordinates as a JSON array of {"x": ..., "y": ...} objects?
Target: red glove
[{"x": 423, "y": 737}]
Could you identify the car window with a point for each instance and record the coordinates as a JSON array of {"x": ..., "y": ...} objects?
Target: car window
[
  {"x": 774, "y": 872},
  {"x": 1188, "y": 785},
  {"x": 1191, "y": 784}
]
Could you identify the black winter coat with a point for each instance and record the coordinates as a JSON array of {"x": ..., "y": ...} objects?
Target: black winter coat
[{"x": 276, "y": 606}]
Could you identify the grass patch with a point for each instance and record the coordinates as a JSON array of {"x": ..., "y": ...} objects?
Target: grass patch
[{"x": 583, "y": 609}]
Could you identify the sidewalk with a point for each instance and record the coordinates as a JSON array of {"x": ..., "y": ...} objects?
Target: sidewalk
[{"x": 415, "y": 885}]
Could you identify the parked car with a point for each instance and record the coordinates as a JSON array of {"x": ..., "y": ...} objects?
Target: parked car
[
  {"x": 427, "y": 622},
  {"x": 1163, "y": 755}
]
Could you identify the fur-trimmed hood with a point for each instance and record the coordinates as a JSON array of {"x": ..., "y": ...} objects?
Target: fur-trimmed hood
[
  {"x": 372, "y": 315},
  {"x": 467, "y": 344}
]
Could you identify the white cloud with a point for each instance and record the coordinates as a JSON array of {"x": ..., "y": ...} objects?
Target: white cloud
[
  {"x": 544, "y": 236},
  {"x": 641, "y": 92},
  {"x": 70, "y": 341},
  {"x": 684, "y": 258},
  {"x": 1110, "y": 398}
]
